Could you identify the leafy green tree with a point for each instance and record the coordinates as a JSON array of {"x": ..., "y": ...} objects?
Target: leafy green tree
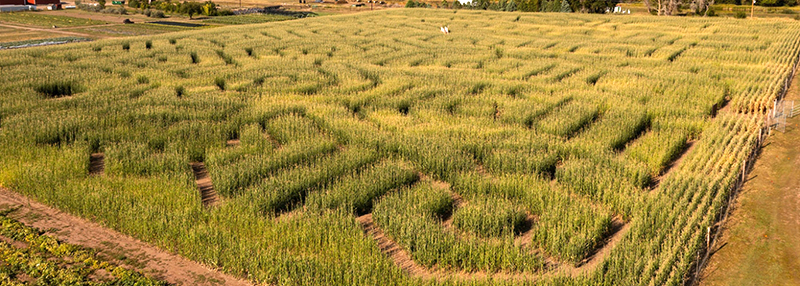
[
  {"x": 550, "y": 6},
  {"x": 594, "y": 6},
  {"x": 565, "y": 7},
  {"x": 209, "y": 8},
  {"x": 511, "y": 6},
  {"x": 101, "y": 4},
  {"x": 445, "y": 4},
  {"x": 191, "y": 8}
]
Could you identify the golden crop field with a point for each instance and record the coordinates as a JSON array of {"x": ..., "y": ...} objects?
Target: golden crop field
[{"x": 373, "y": 149}]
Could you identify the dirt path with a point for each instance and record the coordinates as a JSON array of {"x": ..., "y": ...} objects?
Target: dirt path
[
  {"x": 111, "y": 18},
  {"x": 233, "y": 143},
  {"x": 618, "y": 230},
  {"x": 673, "y": 165},
  {"x": 208, "y": 194},
  {"x": 760, "y": 243},
  {"x": 525, "y": 237},
  {"x": 392, "y": 249},
  {"x": 150, "y": 260},
  {"x": 403, "y": 259},
  {"x": 97, "y": 164},
  {"x": 57, "y": 30}
]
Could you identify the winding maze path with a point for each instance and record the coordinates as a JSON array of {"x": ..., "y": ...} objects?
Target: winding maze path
[
  {"x": 97, "y": 164},
  {"x": 208, "y": 195},
  {"x": 403, "y": 259}
]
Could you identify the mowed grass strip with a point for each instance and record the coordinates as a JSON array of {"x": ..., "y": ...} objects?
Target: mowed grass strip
[{"x": 43, "y": 19}]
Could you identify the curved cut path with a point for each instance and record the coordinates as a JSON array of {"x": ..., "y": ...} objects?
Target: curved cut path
[{"x": 403, "y": 260}]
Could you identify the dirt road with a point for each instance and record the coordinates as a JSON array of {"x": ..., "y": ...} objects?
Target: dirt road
[
  {"x": 145, "y": 258},
  {"x": 59, "y": 31}
]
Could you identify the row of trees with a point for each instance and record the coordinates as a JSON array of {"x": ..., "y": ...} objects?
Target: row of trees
[
  {"x": 190, "y": 8},
  {"x": 564, "y": 6},
  {"x": 659, "y": 7},
  {"x": 767, "y": 3},
  {"x": 703, "y": 7},
  {"x": 672, "y": 7}
]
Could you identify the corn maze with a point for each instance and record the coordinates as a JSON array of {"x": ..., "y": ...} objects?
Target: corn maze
[{"x": 372, "y": 149}]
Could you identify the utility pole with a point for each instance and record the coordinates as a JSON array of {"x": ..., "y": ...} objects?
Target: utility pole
[{"x": 752, "y": 8}]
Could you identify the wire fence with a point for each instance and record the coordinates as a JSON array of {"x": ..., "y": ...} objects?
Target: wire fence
[
  {"x": 787, "y": 110},
  {"x": 782, "y": 110}
]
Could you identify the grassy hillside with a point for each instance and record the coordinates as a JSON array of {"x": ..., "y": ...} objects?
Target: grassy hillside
[{"x": 509, "y": 149}]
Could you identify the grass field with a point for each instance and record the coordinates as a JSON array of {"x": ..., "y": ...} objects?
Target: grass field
[
  {"x": 44, "y": 20},
  {"x": 512, "y": 149},
  {"x": 125, "y": 30},
  {"x": 15, "y": 34},
  {"x": 247, "y": 19}
]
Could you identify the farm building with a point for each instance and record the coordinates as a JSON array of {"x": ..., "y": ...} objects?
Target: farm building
[
  {"x": 42, "y": 2},
  {"x": 12, "y": 2}
]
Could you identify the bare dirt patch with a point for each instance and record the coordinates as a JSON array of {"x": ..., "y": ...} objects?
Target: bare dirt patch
[
  {"x": 97, "y": 164},
  {"x": 157, "y": 263},
  {"x": 233, "y": 143},
  {"x": 525, "y": 237},
  {"x": 208, "y": 194}
]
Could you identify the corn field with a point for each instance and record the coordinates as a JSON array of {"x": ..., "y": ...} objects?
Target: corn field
[{"x": 505, "y": 152}]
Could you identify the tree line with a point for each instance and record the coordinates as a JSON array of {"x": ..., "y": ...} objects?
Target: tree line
[{"x": 564, "y": 6}]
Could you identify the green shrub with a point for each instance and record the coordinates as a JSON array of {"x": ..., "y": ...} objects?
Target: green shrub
[
  {"x": 115, "y": 10},
  {"x": 157, "y": 14}
]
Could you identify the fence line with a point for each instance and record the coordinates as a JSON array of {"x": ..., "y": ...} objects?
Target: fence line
[{"x": 747, "y": 164}]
